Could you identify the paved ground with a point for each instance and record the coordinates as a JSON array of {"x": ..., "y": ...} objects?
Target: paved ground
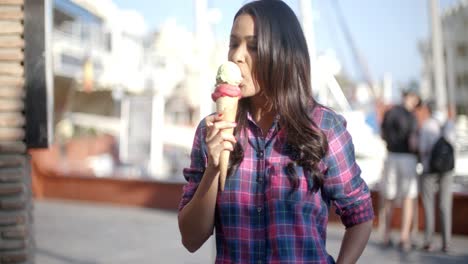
[{"x": 88, "y": 233}]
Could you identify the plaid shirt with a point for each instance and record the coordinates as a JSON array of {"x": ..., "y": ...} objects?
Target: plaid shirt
[{"x": 257, "y": 221}]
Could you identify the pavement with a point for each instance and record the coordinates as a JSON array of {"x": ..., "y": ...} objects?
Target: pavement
[{"x": 71, "y": 232}]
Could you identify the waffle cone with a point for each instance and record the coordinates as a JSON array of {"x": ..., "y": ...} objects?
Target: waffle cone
[{"x": 228, "y": 107}]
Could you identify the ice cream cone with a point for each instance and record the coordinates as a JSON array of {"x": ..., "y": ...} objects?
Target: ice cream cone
[
  {"x": 228, "y": 107},
  {"x": 226, "y": 96}
]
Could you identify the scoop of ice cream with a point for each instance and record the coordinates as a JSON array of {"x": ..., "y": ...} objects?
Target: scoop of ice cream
[
  {"x": 229, "y": 73},
  {"x": 225, "y": 90}
]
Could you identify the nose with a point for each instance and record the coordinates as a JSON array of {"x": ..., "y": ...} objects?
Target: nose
[{"x": 238, "y": 54}]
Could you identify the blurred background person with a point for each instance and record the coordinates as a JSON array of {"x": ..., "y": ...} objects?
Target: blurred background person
[
  {"x": 434, "y": 179},
  {"x": 399, "y": 178}
]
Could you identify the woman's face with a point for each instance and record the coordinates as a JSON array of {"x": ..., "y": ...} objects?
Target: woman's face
[{"x": 243, "y": 52}]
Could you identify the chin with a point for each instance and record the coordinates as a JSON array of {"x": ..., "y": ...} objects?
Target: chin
[{"x": 248, "y": 94}]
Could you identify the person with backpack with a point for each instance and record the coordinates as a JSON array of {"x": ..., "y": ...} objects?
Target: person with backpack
[{"x": 437, "y": 155}]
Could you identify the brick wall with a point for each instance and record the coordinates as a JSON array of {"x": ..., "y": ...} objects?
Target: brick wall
[{"x": 16, "y": 234}]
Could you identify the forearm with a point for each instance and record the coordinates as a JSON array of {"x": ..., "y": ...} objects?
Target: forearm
[
  {"x": 354, "y": 241},
  {"x": 196, "y": 219}
]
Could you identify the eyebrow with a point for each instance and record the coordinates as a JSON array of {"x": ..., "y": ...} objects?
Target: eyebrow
[{"x": 248, "y": 38}]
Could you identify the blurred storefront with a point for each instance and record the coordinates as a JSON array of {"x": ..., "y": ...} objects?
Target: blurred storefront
[
  {"x": 126, "y": 101},
  {"x": 105, "y": 101}
]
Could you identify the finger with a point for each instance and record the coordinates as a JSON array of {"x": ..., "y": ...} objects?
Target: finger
[
  {"x": 214, "y": 141},
  {"x": 219, "y": 139},
  {"x": 224, "y": 124},
  {"x": 218, "y": 116},
  {"x": 229, "y": 137},
  {"x": 212, "y": 132},
  {"x": 209, "y": 120},
  {"x": 217, "y": 127},
  {"x": 218, "y": 144},
  {"x": 228, "y": 146},
  {"x": 215, "y": 148}
]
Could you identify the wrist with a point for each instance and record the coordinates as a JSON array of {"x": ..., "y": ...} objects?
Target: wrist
[
  {"x": 211, "y": 166},
  {"x": 212, "y": 170}
]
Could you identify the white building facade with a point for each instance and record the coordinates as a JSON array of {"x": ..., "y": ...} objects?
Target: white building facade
[
  {"x": 147, "y": 90},
  {"x": 455, "y": 25},
  {"x": 455, "y": 45},
  {"x": 100, "y": 80}
]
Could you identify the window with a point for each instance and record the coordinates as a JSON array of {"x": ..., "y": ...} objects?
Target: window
[
  {"x": 462, "y": 79},
  {"x": 62, "y": 20},
  {"x": 462, "y": 50}
]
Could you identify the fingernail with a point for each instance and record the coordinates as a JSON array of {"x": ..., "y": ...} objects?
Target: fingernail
[{"x": 220, "y": 115}]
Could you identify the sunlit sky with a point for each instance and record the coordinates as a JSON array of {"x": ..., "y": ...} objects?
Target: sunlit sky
[{"x": 386, "y": 32}]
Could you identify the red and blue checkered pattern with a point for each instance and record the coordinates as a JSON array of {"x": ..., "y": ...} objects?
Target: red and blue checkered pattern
[{"x": 257, "y": 220}]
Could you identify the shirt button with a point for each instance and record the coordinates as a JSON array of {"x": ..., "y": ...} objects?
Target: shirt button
[
  {"x": 261, "y": 154},
  {"x": 260, "y": 179},
  {"x": 259, "y": 209}
]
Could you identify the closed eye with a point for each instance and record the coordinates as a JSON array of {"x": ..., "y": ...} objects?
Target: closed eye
[{"x": 233, "y": 45}]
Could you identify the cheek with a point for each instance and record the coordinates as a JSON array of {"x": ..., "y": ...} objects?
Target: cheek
[
  {"x": 251, "y": 87},
  {"x": 229, "y": 56},
  {"x": 251, "y": 64}
]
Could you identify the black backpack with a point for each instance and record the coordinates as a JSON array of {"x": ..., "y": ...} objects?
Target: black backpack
[{"x": 442, "y": 157}]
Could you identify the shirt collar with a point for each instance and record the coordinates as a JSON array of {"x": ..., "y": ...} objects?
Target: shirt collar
[{"x": 276, "y": 126}]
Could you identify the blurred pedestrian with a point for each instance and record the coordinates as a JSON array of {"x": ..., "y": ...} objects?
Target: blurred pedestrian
[
  {"x": 399, "y": 177},
  {"x": 434, "y": 179}
]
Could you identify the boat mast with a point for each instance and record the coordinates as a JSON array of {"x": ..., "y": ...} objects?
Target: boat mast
[
  {"x": 323, "y": 82},
  {"x": 437, "y": 56}
]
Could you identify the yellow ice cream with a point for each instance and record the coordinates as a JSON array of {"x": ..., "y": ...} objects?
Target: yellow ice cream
[{"x": 229, "y": 73}]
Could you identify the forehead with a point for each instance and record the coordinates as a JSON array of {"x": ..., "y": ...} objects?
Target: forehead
[
  {"x": 412, "y": 95},
  {"x": 244, "y": 25}
]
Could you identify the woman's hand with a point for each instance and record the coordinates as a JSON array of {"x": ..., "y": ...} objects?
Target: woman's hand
[
  {"x": 196, "y": 219},
  {"x": 216, "y": 140}
]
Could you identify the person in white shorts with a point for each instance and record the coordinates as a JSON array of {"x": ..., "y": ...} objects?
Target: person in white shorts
[{"x": 399, "y": 178}]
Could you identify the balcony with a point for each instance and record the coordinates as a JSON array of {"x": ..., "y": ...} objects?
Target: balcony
[{"x": 75, "y": 43}]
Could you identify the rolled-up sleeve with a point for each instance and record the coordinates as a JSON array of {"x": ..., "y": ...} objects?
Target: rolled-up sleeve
[
  {"x": 343, "y": 184},
  {"x": 198, "y": 161}
]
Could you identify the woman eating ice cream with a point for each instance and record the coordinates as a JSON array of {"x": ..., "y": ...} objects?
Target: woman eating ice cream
[{"x": 290, "y": 157}]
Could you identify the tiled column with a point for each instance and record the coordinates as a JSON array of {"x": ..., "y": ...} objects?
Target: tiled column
[{"x": 16, "y": 234}]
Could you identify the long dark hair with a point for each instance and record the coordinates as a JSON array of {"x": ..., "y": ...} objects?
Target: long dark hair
[{"x": 283, "y": 73}]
